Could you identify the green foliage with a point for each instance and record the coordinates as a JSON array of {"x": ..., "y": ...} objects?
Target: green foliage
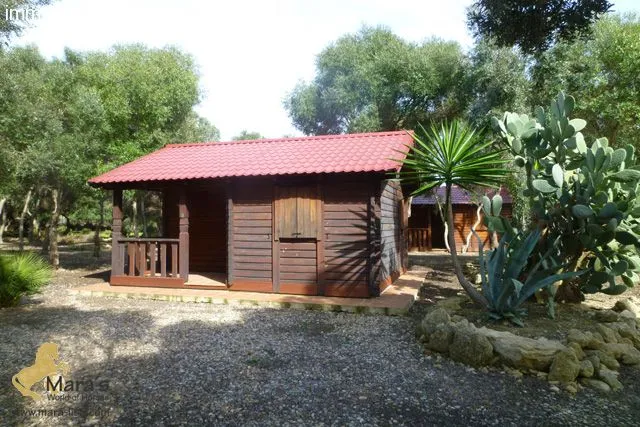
[
  {"x": 583, "y": 195},
  {"x": 21, "y": 274},
  {"x": 246, "y": 135},
  {"x": 452, "y": 154},
  {"x": 504, "y": 284},
  {"x": 13, "y": 26},
  {"x": 373, "y": 80},
  {"x": 533, "y": 25},
  {"x": 602, "y": 73}
]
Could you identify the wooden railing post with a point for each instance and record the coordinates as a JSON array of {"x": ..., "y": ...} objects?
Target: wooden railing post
[
  {"x": 183, "y": 236},
  {"x": 117, "y": 257}
]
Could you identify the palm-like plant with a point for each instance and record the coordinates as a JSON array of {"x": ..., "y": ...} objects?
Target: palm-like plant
[{"x": 453, "y": 154}]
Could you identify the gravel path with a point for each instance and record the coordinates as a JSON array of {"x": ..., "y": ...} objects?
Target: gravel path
[{"x": 196, "y": 364}]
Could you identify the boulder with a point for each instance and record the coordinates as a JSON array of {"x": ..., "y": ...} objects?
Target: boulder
[
  {"x": 470, "y": 347},
  {"x": 433, "y": 319},
  {"x": 579, "y": 351},
  {"x": 606, "y": 316},
  {"x": 611, "y": 378},
  {"x": 522, "y": 352},
  {"x": 605, "y": 359},
  {"x": 608, "y": 334},
  {"x": 625, "y": 353},
  {"x": 586, "y": 369},
  {"x": 586, "y": 340},
  {"x": 595, "y": 361},
  {"x": 631, "y": 304},
  {"x": 440, "y": 339},
  {"x": 565, "y": 366},
  {"x": 596, "y": 384}
]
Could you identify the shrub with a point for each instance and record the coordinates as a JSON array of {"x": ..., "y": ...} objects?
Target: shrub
[{"x": 21, "y": 274}]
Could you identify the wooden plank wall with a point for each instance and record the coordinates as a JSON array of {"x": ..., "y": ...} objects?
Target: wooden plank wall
[
  {"x": 393, "y": 223},
  {"x": 252, "y": 235},
  {"x": 346, "y": 250},
  {"x": 298, "y": 271}
]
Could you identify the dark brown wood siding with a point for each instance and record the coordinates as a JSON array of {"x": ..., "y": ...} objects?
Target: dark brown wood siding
[
  {"x": 393, "y": 223},
  {"x": 346, "y": 245},
  {"x": 252, "y": 231}
]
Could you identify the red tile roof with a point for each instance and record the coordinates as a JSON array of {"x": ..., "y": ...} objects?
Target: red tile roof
[
  {"x": 363, "y": 152},
  {"x": 460, "y": 196}
]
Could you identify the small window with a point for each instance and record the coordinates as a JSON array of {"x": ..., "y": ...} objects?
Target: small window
[{"x": 296, "y": 212}]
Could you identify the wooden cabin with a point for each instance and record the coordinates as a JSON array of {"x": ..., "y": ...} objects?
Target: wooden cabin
[
  {"x": 426, "y": 228},
  {"x": 312, "y": 215}
]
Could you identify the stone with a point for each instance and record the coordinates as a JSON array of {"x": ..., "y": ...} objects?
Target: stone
[
  {"x": 595, "y": 361},
  {"x": 608, "y": 334},
  {"x": 565, "y": 366},
  {"x": 586, "y": 340},
  {"x": 579, "y": 351},
  {"x": 625, "y": 353},
  {"x": 440, "y": 339},
  {"x": 433, "y": 319},
  {"x": 630, "y": 304},
  {"x": 596, "y": 384},
  {"x": 606, "y": 316},
  {"x": 628, "y": 317},
  {"x": 628, "y": 332},
  {"x": 470, "y": 347},
  {"x": 605, "y": 359},
  {"x": 571, "y": 388},
  {"x": 522, "y": 352},
  {"x": 586, "y": 369},
  {"x": 611, "y": 378}
]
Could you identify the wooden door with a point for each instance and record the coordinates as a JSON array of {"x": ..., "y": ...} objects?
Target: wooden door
[{"x": 296, "y": 235}]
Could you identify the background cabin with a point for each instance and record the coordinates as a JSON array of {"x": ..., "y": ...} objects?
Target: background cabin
[
  {"x": 426, "y": 228},
  {"x": 312, "y": 216}
]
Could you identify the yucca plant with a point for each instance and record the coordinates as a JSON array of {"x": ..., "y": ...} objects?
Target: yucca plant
[
  {"x": 453, "y": 154},
  {"x": 21, "y": 274},
  {"x": 503, "y": 283}
]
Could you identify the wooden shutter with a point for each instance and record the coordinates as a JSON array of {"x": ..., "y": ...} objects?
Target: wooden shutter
[{"x": 297, "y": 212}]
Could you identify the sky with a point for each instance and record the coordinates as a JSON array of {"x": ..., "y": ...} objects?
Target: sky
[{"x": 250, "y": 53}]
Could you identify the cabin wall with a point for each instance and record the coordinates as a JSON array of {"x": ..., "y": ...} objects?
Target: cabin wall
[{"x": 393, "y": 225}]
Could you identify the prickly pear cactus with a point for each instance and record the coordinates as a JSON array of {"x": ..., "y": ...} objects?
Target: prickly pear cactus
[{"x": 584, "y": 193}]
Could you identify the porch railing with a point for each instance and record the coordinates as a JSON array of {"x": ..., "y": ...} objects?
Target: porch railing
[
  {"x": 419, "y": 239},
  {"x": 149, "y": 258}
]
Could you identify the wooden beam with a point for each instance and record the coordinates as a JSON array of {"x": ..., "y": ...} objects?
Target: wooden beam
[
  {"x": 320, "y": 239},
  {"x": 183, "y": 212},
  {"x": 229, "y": 233},
  {"x": 117, "y": 255}
]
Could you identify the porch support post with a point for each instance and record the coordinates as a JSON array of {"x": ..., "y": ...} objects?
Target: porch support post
[
  {"x": 117, "y": 257},
  {"x": 183, "y": 236}
]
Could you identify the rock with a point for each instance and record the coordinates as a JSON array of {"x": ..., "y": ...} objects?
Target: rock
[
  {"x": 555, "y": 389},
  {"x": 521, "y": 352},
  {"x": 611, "y": 378},
  {"x": 565, "y": 366},
  {"x": 440, "y": 339},
  {"x": 596, "y": 384},
  {"x": 453, "y": 303},
  {"x": 605, "y": 359},
  {"x": 630, "y": 304},
  {"x": 586, "y": 340},
  {"x": 628, "y": 317},
  {"x": 606, "y": 316},
  {"x": 608, "y": 334},
  {"x": 571, "y": 388},
  {"x": 576, "y": 347},
  {"x": 433, "y": 319},
  {"x": 470, "y": 347},
  {"x": 627, "y": 331},
  {"x": 595, "y": 361},
  {"x": 625, "y": 353},
  {"x": 586, "y": 369}
]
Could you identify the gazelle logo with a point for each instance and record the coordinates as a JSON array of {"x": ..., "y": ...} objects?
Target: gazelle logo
[
  {"x": 23, "y": 14},
  {"x": 46, "y": 365}
]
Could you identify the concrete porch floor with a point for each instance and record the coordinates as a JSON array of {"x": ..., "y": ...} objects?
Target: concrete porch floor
[{"x": 395, "y": 300}]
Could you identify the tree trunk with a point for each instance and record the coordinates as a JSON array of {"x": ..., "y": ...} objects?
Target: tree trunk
[
  {"x": 54, "y": 255},
  {"x": 465, "y": 248},
  {"x": 35, "y": 229},
  {"x": 444, "y": 221},
  {"x": 23, "y": 214},
  {"x": 134, "y": 217},
  {"x": 144, "y": 216},
  {"x": 476, "y": 296},
  {"x": 96, "y": 237},
  {"x": 3, "y": 217}
]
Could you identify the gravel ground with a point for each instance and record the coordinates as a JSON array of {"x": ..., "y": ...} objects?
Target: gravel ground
[{"x": 195, "y": 364}]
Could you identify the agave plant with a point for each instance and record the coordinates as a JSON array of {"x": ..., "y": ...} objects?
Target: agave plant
[
  {"x": 503, "y": 283},
  {"x": 453, "y": 154}
]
